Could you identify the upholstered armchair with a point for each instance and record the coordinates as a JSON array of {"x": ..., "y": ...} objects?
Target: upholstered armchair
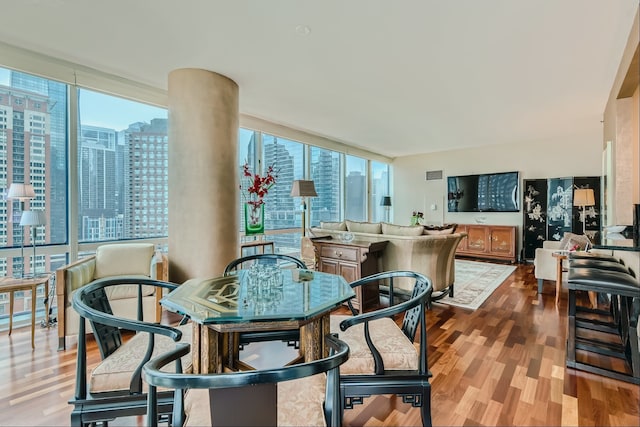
[
  {"x": 545, "y": 264},
  {"x": 110, "y": 260}
]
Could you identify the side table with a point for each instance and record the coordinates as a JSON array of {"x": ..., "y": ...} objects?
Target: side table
[
  {"x": 11, "y": 285},
  {"x": 560, "y": 257}
]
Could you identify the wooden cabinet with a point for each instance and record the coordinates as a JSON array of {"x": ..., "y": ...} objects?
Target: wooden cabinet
[
  {"x": 488, "y": 241},
  {"x": 353, "y": 261}
]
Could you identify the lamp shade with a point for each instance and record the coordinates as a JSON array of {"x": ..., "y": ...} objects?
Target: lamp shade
[
  {"x": 21, "y": 191},
  {"x": 302, "y": 188},
  {"x": 386, "y": 201},
  {"x": 584, "y": 197},
  {"x": 33, "y": 218}
]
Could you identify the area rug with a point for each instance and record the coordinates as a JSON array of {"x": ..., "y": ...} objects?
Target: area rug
[{"x": 475, "y": 282}]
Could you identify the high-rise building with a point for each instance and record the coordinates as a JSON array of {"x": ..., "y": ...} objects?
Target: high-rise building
[
  {"x": 146, "y": 184},
  {"x": 56, "y": 191},
  {"x": 97, "y": 184},
  {"x": 356, "y": 188},
  {"x": 24, "y": 135},
  {"x": 325, "y": 173}
]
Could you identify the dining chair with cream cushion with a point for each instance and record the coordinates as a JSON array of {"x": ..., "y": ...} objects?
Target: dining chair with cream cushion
[
  {"x": 305, "y": 394},
  {"x": 292, "y": 337},
  {"x": 114, "y": 387},
  {"x": 384, "y": 357}
]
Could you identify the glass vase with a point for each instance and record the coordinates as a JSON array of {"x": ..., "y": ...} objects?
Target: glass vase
[{"x": 253, "y": 219}]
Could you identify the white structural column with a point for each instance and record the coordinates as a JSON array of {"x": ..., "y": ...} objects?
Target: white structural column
[{"x": 203, "y": 173}]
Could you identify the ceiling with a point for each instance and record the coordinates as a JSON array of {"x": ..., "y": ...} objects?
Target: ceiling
[{"x": 393, "y": 77}]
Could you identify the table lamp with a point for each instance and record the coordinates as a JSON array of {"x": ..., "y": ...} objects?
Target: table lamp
[
  {"x": 32, "y": 219},
  {"x": 584, "y": 197},
  {"x": 303, "y": 188}
]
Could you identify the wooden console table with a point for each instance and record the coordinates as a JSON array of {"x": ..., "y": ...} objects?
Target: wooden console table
[
  {"x": 353, "y": 261},
  {"x": 488, "y": 241}
]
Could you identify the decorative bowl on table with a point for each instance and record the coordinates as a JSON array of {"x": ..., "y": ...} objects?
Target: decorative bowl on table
[{"x": 346, "y": 237}]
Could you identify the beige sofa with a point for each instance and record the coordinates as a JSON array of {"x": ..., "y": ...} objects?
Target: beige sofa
[
  {"x": 409, "y": 248},
  {"x": 118, "y": 259}
]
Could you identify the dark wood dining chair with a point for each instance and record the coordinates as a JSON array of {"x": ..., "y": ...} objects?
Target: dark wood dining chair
[
  {"x": 293, "y": 395},
  {"x": 273, "y": 259},
  {"x": 290, "y": 336},
  {"x": 383, "y": 358},
  {"x": 114, "y": 387}
]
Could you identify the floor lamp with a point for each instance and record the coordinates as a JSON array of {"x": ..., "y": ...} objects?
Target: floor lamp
[
  {"x": 21, "y": 192},
  {"x": 33, "y": 219},
  {"x": 386, "y": 202},
  {"x": 302, "y": 188},
  {"x": 584, "y": 197}
]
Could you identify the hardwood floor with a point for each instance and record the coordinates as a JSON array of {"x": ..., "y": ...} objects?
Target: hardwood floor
[{"x": 502, "y": 364}]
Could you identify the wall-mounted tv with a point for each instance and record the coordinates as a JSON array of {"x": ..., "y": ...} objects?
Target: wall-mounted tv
[{"x": 491, "y": 192}]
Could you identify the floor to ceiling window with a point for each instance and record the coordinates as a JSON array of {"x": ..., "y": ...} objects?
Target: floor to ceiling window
[{"x": 122, "y": 169}]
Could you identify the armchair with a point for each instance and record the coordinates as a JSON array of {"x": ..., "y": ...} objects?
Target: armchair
[
  {"x": 545, "y": 265},
  {"x": 118, "y": 259}
]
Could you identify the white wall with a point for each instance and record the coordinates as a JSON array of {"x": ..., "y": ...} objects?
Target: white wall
[{"x": 577, "y": 155}]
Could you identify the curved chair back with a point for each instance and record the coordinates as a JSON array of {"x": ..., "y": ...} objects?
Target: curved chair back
[
  {"x": 292, "y": 401},
  {"x": 107, "y": 394},
  {"x": 277, "y": 259},
  {"x": 291, "y": 336}
]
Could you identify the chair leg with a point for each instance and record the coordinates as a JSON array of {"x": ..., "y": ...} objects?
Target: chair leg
[
  {"x": 540, "y": 283},
  {"x": 571, "y": 332},
  {"x": 425, "y": 409}
]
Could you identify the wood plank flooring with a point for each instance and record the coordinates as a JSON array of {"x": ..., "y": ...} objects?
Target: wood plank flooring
[{"x": 502, "y": 364}]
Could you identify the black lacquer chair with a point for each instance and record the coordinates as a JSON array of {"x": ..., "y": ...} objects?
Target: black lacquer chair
[
  {"x": 383, "y": 358},
  {"x": 291, "y": 337},
  {"x": 611, "y": 333},
  {"x": 294, "y": 395},
  {"x": 273, "y": 259},
  {"x": 114, "y": 388}
]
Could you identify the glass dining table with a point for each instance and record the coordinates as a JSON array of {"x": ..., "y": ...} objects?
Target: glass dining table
[{"x": 253, "y": 300}]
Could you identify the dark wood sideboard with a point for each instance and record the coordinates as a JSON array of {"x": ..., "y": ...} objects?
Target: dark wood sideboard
[
  {"x": 488, "y": 241},
  {"x": 353, "y": 260}
]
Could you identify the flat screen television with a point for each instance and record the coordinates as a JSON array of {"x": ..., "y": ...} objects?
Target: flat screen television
[{"x": 492, "y": 192}]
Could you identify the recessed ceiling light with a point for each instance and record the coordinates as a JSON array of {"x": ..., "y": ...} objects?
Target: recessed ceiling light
[{"x": 303, "y": 30}]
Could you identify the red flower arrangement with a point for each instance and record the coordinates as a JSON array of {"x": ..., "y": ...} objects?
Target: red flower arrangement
[{"x": 258, "y": 185}]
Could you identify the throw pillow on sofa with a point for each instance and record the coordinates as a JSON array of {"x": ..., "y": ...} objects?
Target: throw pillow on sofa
[
  {"x": 440, "y": 229},
  {"x": 337, "y": 226},
  {"x": 401, "y": 230},
  {"x": 571, "y": 241},
  {"x": 363, "y": 227}
]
